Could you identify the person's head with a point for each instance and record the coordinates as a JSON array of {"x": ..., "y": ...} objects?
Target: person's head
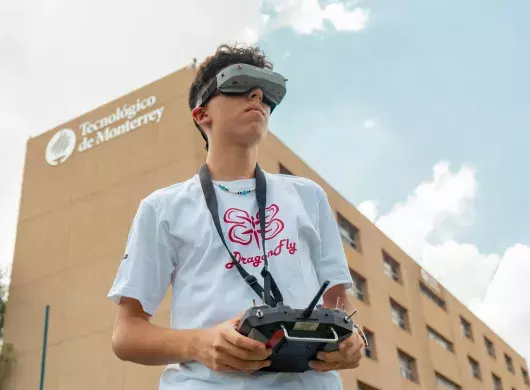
[{"x": 230, "y": 119}]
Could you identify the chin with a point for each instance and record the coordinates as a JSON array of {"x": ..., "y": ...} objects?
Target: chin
[{"x": 253, "y": 136}]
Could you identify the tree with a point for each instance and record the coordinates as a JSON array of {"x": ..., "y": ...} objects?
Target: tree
[{"x": 7, "y": 355}]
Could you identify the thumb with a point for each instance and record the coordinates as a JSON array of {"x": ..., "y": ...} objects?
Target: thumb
[{"x": 235, "y": 319}]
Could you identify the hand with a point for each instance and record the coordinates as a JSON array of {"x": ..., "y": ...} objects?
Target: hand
[
  {"x": 224, "y": 349},
  {"x": 347, "y": 356}
]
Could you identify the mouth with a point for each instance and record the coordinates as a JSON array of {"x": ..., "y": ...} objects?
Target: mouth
[{"x": 255, "y": 108}]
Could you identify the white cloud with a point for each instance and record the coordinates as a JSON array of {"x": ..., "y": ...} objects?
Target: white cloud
[
  {"x": 369, "y": 209},
  {"x": 344, "y": 20},
  {"x": 452, "y": 264},
  {"x": 308, "y": 16},
  {"x": 492, "y": 285},
  {"x": 448, "y": 197},
  {"x": 369, "y": 123},
  {"x": 505, "y": 306}
]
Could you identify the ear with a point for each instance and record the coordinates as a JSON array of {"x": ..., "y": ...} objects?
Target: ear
[{"x": 200, "y": 115}]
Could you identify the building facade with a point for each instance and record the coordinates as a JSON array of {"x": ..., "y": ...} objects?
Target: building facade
[{"x": 83, "y": 182}]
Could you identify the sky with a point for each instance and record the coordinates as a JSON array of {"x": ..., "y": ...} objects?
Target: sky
[{"x": 423, "y": 106}]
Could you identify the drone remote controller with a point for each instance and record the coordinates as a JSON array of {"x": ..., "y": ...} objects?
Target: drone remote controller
[{"x": 296, "y": 335}]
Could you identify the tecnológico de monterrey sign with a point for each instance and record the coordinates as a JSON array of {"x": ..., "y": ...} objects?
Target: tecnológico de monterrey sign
[{"x": 125, "y": 119}]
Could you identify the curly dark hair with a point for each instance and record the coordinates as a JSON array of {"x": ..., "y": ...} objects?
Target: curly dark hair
[{"x": 224, "y": 56}]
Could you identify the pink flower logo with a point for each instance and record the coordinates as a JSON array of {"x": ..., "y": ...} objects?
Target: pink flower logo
[{"x": 246, "y": 228}]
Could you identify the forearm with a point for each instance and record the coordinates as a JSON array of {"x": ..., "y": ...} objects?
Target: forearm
[{"x": 145, "y": 343}]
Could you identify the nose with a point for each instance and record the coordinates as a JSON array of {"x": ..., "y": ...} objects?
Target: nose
[{"x": 256, "y": 93}]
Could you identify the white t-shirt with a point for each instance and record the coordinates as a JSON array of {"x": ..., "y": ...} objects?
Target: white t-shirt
[{"x": 173, "y": 242}]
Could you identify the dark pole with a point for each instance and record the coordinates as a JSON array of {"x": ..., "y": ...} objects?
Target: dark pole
[{"x": 44, "y": 346}]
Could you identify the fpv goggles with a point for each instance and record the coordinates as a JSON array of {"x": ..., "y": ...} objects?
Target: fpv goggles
[{"x": 239, "y": 79}]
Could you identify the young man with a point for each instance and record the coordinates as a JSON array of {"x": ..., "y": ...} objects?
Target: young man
[{"x": 174, "y": 242}]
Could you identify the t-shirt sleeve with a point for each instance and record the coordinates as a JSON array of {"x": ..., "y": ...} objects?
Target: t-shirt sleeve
[
  {"x": 332, "y": 264},
  {"x": 146, "y": 269}
]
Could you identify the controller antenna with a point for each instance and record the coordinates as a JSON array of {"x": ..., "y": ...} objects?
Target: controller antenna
[{"x": 307, "y": 312}]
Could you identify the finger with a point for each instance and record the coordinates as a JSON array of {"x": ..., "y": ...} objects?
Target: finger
[
  {"x": 331, "y": 357},
  {"x": 336, "y": 360},
  {"x": 344, "y": 355},
  {"x": 326, "y": 366},
  {"x": 235, "y": 319},
  {"x": 350, "y": 342},
  {"x": 244, "y": 365},
  {"x": 345, "y": 349},
  {"x": 357, "y": 356},
  {"x": 323, "y": 366},
  {"x": 362, "y": 337},
  {"x": 353, "y": 351},
  {"x": 244, "y": 354},
  {"x": 351, "y": 345},
  {"x": 236, "y": 338},
  {"x": 353, "y": 354},
  {"x": 360, "y": 342},
  {"x": 224, "y": 368},
  {"x": 348, "y": 366},
  {"x": 353, "y": 363}
]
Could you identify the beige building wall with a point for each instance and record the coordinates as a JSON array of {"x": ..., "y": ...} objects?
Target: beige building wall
[{"x": 73, "y": 224}]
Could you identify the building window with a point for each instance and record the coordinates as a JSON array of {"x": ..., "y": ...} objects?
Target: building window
[
  {"x": 407, "y": 367},
  {"x": 474, "y": 367},
  {"x": 391, "y": 267},
  {"x": 442, "y": 383},
  {"x": 348, "y": 232},
  {"x": 489, "y": 346},
  {"x": 497, "y": 384},
  {"x": 525, "y": 377},
  {"x": 432, "y": 296},
  {"x": 358, "y": 289},
  {"x": 466, "y": 328},
  {"x": 285, "y": 171},
  {"x": 364, "y": 386},
  {"x": 509, "y": 363},
  {"x": 399, "y": 315},
  {"x": 370, "y": 351},
  {"x": 439, "y": 339}
]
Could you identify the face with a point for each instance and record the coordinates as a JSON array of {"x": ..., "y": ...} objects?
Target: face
[{"x": 237, "y": 120}]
